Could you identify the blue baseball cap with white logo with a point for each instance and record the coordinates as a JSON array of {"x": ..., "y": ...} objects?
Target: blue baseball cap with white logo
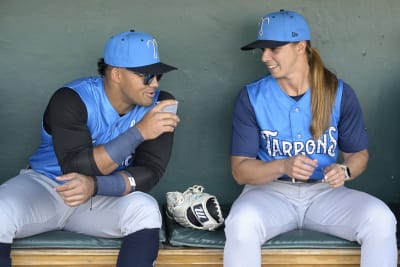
[
  {"x": 280, "y": 28},
  {"x": 136, "y": 51}
]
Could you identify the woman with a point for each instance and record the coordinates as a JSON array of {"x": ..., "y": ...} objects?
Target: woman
[{"x": 288, "y": 129}]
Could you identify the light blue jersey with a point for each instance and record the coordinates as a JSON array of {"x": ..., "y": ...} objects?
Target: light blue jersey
[
  {"x": 103, "y": 122},
  {"x": 284, "y": 125}
]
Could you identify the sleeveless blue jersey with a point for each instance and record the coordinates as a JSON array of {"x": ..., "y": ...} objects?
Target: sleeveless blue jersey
[
  {"x": 284, "y": 125},
  {"x": 103, "y": 121}
]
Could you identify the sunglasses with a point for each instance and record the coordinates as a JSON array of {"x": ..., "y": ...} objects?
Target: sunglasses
[{"x": 148, "y": 78}]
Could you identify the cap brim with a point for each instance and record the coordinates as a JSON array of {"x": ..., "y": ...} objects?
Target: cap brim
[
  {"x": 157, "y": 68},
  {"x": 263, "y": 44}
]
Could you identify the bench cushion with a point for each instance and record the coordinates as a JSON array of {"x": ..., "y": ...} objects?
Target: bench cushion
[
  {"x": 64, "y": 239},
  {"x": 176, "y": 235},
  {"x": 181, "y": 236}
]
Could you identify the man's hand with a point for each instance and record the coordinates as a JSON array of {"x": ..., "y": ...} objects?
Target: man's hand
[
  {"x": 300, "y": 167},
  {"x": 77, "y": 189},
  {"x": 157, "y": 122}
]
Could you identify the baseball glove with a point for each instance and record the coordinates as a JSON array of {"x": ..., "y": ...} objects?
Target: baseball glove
[{"x": 195, "y": 209}]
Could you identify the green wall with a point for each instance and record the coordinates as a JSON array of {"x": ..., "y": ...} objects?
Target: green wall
[{"x": 46, "y": 43}]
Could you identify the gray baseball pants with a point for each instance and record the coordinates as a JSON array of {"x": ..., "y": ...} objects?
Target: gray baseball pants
[
  {"x": 263, "y": 212},
  {"x": 29, "y": 205}
]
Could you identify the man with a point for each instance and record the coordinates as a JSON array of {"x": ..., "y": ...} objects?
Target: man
[{"x": 105, "y": 143}]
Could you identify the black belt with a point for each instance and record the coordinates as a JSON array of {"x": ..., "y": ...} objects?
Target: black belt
[{"x": 297, "y": 181}]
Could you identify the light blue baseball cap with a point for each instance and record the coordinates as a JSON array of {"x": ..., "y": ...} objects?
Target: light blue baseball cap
[
  {"x": 280, "y": 28},
  {"x": 136, "y": 51}
]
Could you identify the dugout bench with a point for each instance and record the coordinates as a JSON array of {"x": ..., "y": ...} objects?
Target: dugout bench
[{"x": 186, "y": 247}]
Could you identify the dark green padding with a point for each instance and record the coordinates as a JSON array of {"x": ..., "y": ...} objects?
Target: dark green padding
[
  {"x": 181, "y": 236},
  {"x": 64, "y": 239}
]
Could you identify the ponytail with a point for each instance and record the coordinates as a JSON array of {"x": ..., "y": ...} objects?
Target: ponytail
[{"x": 323, "y": 84}]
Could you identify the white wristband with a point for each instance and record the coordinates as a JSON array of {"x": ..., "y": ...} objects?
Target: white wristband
[{"x": 131, "y": 181}]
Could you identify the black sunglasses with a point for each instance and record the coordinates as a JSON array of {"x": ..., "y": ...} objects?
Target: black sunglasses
[{"x": 148, "y": 78}]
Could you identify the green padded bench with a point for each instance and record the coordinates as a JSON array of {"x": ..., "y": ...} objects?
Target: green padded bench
[
  {"x": 70, "y": 240},
  {"x": 181, "y": 236},
  {"x": 184, "y": 247},
  {"x": 172, "y": 234}
]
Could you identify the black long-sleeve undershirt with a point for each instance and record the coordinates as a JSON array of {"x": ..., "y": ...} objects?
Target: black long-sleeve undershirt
[{"x": 65, "y": 119}]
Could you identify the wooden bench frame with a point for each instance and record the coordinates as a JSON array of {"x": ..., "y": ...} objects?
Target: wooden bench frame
[{"x": 182, "y": 257}]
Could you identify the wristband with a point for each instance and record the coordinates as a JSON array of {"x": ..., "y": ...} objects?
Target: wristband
[
  {"x": 122, "y": 146},
  {"x": 111, "y": 185},
  {"x": 132, "y": 181}
]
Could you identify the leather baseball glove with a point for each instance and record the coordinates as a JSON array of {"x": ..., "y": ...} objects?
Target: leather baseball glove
[{"x": 195, "y": 209}]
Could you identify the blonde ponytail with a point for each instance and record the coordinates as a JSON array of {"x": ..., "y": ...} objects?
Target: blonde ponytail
[{"x": 323, "y": 93}]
